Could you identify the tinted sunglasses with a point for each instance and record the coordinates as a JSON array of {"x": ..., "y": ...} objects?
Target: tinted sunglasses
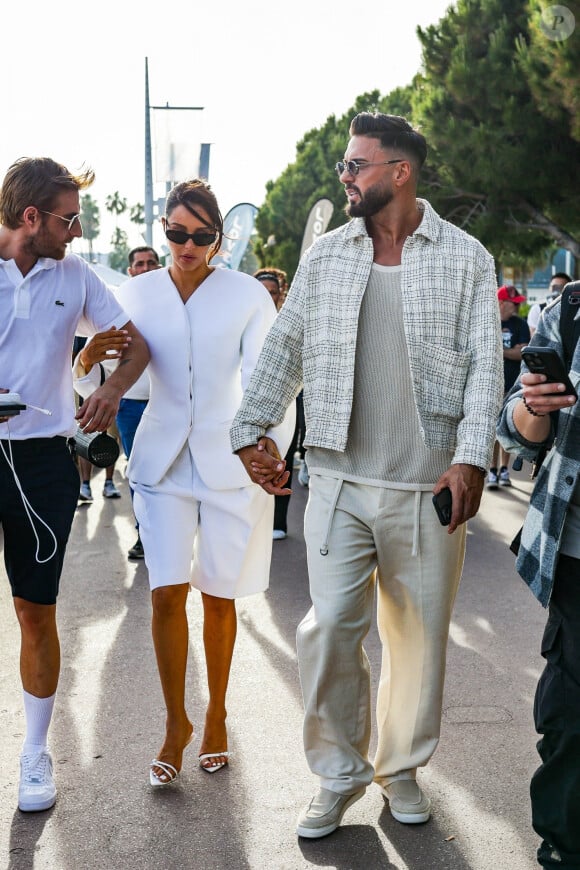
[{"x": 201, "y": 238}]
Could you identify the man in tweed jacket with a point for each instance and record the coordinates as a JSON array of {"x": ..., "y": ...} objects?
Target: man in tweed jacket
[
  {"x": 392, "y": 326},
  {"x": 549, "y": 562}
]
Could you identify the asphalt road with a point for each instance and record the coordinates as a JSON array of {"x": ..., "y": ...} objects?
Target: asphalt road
[{"x": 109, "y": 719}]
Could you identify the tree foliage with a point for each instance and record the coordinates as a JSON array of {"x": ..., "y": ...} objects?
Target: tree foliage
[
  {"x": 119, "y": 250},
  {"x": 498, "y": 104},
  {"x": 137, "y": 214},
  {"x": 504, "y": 170},
  {"x": 551, "y": 67},
  {"x": 116, "y": 204},
  {"x": 311, "y": 177},
  {"x": 90, "y": 220}
]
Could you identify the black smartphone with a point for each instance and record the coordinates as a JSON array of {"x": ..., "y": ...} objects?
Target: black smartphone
[
  {"x": 11, "y": 410},
  {"x": 545, "y": 361},
  {"x": 442, "y": 505}
]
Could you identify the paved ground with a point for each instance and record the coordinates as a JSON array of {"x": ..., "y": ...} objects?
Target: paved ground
[{"x": 109, "y": 722}]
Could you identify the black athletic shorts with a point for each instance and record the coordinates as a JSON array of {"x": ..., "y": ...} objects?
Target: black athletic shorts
[{"x": 50, "y": 481}]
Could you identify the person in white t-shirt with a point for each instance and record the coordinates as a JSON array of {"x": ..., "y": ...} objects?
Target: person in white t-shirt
[
  {"x": 557, "y": 284},
  {"x": 45, "y": 298}
]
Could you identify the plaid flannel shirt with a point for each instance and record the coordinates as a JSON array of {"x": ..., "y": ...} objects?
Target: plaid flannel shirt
[
  {"x": 538, "y": 554},
  {"x": 452, "y": 327}
]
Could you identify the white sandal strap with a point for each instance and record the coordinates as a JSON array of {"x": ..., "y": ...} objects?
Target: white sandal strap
[
  {"x": 167, "y": 768},
  {"x": 214, "y": 755}
]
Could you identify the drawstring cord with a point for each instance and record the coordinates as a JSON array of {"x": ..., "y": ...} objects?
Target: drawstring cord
[
  {"x": 333, "y": 503},
  {"x": 416, "y": 524}
]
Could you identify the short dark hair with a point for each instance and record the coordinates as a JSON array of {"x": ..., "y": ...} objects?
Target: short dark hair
[
  {"x": 141, "y": 249},
  {"x": 270, "y": 273},
  {"x": 36, "y": 181},
  {"x": 196, "y": 192},
  {"x": 561, "y": 275},
  {"x": 392, "y": 131}
]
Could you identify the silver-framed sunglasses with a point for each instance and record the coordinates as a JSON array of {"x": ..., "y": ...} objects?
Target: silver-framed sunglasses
[{"x": 70, "y": 222}]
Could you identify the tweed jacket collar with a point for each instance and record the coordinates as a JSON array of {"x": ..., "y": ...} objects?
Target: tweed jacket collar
[{"x": 430, "y": 225}]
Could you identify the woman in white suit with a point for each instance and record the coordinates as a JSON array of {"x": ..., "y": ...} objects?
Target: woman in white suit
[{"x": 205, "y": 328}]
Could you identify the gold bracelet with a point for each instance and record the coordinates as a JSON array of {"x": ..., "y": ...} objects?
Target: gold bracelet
[{"x": 531, "y": 410}]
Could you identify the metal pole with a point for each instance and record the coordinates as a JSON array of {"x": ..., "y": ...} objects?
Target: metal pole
[
  {"x": 148, "y": 164},
  {"x": 149, "y": 204}
]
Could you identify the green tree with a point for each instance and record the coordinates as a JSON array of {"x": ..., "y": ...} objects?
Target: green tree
[
  {"x": 119, "y": 250},
  {"x": 551, "y": 66},
  {"x": 90, "y": 219},
  {"x": 312, "y": 176},
  {"x": 497, "y": 166},
  {"x": 137, "y": 214},
  {"x": 116, "y": 204}
]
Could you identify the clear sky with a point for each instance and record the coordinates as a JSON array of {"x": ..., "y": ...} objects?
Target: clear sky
[{"x": 265, "y": 73}]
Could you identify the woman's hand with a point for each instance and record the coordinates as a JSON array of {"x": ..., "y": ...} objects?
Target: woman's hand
[{"x": 265, "y": 467}]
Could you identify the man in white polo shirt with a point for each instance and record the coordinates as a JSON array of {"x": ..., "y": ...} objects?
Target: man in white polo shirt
[{"x": 45, "y": 298}]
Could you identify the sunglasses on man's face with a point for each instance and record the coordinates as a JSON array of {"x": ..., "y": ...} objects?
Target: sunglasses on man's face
[{"x": 201, "y": 238}]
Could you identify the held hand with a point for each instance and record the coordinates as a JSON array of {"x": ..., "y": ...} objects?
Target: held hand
[
  {"x": 543, "y": 396},
  {"x": 265, "y": 467},
  {"x": 104, "y": 345},
  {"x": 466, "y": 485},
  {"x": 98, "y": 411}
]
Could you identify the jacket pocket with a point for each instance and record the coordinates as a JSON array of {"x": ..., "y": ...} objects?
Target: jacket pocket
[{"x": 444, "y": 373}]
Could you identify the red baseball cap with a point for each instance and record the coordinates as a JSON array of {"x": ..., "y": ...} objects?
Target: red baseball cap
[{"x": 509, "y": 293}]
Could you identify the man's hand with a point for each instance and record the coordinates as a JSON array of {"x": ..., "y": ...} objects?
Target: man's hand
[
  {"x": 265, "y": 466},
  {"x": 98, "y": 411},
  {"x": 466, "y": 485},
  {"x": 104, "y": 345},
  {"x": 543, "y": 396}
]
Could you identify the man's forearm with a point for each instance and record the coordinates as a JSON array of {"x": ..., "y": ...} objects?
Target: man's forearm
[{"x": 131, "y": 365}]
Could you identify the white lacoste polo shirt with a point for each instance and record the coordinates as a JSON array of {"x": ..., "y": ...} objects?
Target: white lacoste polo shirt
[{"x": 40, "y": 313}]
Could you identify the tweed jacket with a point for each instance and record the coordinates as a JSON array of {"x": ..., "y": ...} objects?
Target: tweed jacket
[
  {"x": 538, "y": 553},
  {"x": 452, "y": 329}
]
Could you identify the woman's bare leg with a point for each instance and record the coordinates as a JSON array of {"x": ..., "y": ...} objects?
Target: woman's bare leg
[
  {"x": 171, "y": 638},
  {"x": 219, "y": 637}
]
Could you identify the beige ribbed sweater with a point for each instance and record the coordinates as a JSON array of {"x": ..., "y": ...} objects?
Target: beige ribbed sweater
[{"x": 384, "y": 444}]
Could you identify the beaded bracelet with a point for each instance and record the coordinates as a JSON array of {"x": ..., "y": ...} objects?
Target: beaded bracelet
[{"x": 531, "y": 410}]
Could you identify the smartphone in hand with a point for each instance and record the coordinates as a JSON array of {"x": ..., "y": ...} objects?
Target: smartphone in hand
[
  {"x": 442, "y": 505},
  {"x": 546, "y": 361}
]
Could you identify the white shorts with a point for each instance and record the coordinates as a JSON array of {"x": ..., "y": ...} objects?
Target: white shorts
[{"x": 227, "y": 533}]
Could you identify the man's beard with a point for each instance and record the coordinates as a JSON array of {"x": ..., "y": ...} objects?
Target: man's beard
[
  {"x": 43, "y": 245},
  {"x": 375, "y": 199}
]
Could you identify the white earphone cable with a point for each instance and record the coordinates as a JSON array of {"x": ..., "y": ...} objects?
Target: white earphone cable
[{"x": 27, "y": 506}]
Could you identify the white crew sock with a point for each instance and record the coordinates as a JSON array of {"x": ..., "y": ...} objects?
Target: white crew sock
[{"x": 38, "y": 713}]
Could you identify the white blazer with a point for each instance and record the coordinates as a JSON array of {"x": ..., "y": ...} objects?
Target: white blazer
[{"x": 202, "y": 356}]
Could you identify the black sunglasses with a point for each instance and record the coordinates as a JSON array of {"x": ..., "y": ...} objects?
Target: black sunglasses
[{"x": 201, "y": 238}]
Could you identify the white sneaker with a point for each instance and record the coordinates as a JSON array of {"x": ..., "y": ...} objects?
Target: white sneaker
[
  {"x": 504, "y": 478},
  {"x": 303, "y": 476},
  {"x": 37, "y": 790},
  {"x": 110, "y": 490},
  {"x": 278, "y": 535},
  {"x": 492, "y": 480},
  {"x": 85, "y": 493}
]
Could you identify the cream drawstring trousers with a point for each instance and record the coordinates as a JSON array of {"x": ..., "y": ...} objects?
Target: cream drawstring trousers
[{"x": 393, "y": 535}]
